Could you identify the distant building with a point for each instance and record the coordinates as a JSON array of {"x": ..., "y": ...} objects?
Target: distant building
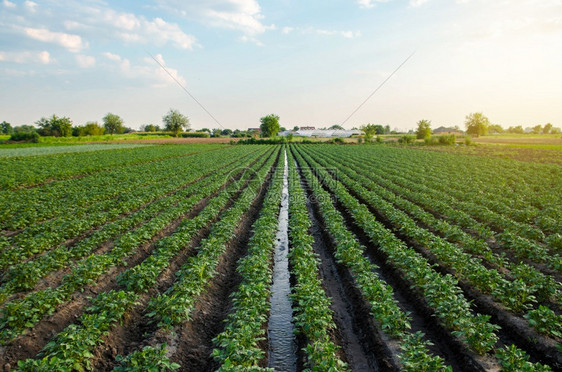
[
  {"x": 321, "y": 133},
  {"x": 307, "y": 128},
  {"x": 448, "y": 130},
  {"x": 254, "y": 130}
]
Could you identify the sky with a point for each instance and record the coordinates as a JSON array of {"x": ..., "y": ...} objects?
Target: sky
[{"x": 311, "y": 62}]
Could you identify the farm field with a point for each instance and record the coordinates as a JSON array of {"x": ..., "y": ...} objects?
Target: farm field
[{"x": 171, "y": 257}]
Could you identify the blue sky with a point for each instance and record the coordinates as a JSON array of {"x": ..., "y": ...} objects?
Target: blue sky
[{"x": 310, "y": 62}]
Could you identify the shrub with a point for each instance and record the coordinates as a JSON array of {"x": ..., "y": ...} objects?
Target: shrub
[
  {"x": 406, "y": 140},
  {"x": 25, "y": 137},
  {"x": 195, "y": 135}
]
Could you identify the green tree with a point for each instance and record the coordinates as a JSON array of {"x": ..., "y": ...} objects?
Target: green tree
[
  {"x": 518, "y": 130},
  {"x": 379, "y": 129},
  {"x": 296, "y": 127},
  {"x": 387, "y": 129},
  {"x": 477, "y": 124},
  {"x": 113, "y": 124},
  {"x": 216, "y": 132},
  {"x": 151, "y": 128},
  {"x": 269, "y": 125},
  {"x": 547, "y": 128},
  {"x": 175, "y": 122},
  {"x": 92, "y": 128},
  {"x": 226, "y": 132},
  {"x": 6, "y": 128},
  {"x": 495, "y": 128},
  {"x": 537, "y": 129},
  {"x": 336, "y": 127},
  {"x": 370, "y": 130},
  {"x": 424, "y": 129},
  {"x": 24, "y": 129},
  {"x": 55, "y": 126}
]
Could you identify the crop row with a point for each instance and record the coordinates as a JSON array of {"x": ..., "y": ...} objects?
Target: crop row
[
  {"x": 493, "y": 188},
  {"x": 175, "y": 305},
  {"x": 72, "y": 348},
  {"x": 75, "y": 221},
  {"x": 385, "y": 309},
  {"x": 24, "y": 276},
  {"x": 515, "y": 295},
  {"x": 545, "y": 287},
  {"x": 312, "y": 314},
  {"x": 33, "y": 170},
  {"x": 21, "y": 314},
  {"x": 237, "y": 346},
  {"x": 483, "y": 197},
  {"x": 28, "y": 206},
  {"x": 441, "y": 292}
]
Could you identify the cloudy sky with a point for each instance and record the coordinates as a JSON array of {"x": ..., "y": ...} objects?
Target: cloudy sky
[{"x": 310, "y": 62}]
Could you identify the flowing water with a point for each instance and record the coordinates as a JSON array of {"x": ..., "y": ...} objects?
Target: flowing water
[{"x": 282, "y": 353}]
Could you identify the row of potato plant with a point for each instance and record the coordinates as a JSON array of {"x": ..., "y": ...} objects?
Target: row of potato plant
[
  {"x": 441, "y": 292},
  {"x": 522, "y": 239},
  {"x": 476, "y": 197},
  {"x": 21, "y": 314},
  {"x": 72, "y": 348},
  {"x": 43, "y": 236},
  {"x": 545, "y": 287},
  {"x": 516, "y": 295},
  {"x": 24, "y": 276},
  {"x": 34, "y": 170},
  {"x": 27, "y": 206},
  {"x": 312, "y": 315},
  {"x": 385, "y": 309},
  {"x": 511, "y": 183},
  {"x": 174, "y": 306},
  {"x": 237, "y": 346}
]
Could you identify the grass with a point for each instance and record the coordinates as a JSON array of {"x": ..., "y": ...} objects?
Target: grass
[
  {"x": 49, "y": 150},
  {"x": 69, "y": 141}
]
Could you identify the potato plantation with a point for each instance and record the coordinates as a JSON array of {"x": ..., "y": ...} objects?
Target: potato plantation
[{"x": 162, "y": 257}]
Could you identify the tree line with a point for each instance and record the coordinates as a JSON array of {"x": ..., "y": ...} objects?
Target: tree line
[
  {"x": 55, "y": 126},
  {"x": 477, "y": 124}
]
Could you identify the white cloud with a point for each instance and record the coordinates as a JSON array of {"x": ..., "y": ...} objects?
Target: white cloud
[
  {"x": 348, "y": 34},
  {"x": 44, "y": 57},
  {"x": 162, "y": 32},
  {"x": 369, "y": 3},
  {"x": 9, "y": 4},
  {"x": 416, "y": 3},
  {"x": 123, "y": 63},
  {"x": 31, "y": 6},
  {"x": 26, "y": 57},
  {"x": 287, "y": 30},
  {"x": 162, "y": 75},
  {"x": 150, "y": 71},
  {"x": 69, "y": 41},
  {"x": 242, "y": 15},
  {"x": 130, "y": 28},
  {"x": 85, "y": 61}
]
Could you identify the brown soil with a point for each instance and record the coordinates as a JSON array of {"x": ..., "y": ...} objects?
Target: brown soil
[
  {"x": 178, "y": 140},
  {"x": 515, "y": 330},
  {"x": 138, "y": 330},
  {"x": 422, "y": 316},
  {"x": 195, "y": 337},
  {"x": 30, "y": 343}
]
